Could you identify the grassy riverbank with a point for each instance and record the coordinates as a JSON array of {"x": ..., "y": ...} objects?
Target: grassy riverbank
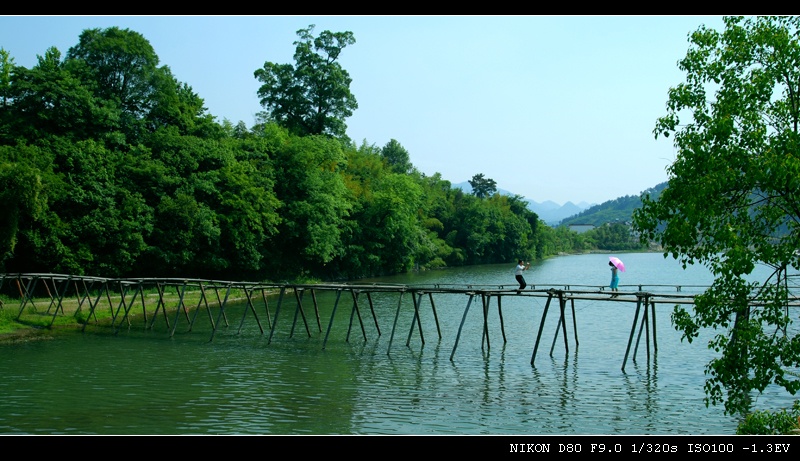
[{"x": 41, "y": 318}]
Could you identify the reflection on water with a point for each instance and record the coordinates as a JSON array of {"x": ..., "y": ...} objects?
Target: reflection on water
[{"x": 400, "y": 381}]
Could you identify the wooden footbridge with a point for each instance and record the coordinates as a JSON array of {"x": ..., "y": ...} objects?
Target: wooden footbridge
[{"x": 121, "y": 299}]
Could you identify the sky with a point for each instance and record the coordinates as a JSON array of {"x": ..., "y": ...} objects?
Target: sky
[{"x": 552, "y": 108}]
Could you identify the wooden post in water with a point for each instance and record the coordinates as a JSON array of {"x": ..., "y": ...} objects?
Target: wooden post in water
[
  {"x": 222, "y": 314},
  {"x": 372, "y": 310},
  {"x": 417, "y": 300},
  {"x": 633, "y": 330},
  {"x": 435, "y": 317},
  {"x": 396, "y": 316},
  {"x": 299, "y": 309},
  {"x": 248, "y": 293},
  {"x": 316, "y": 309},
  {"x": 562, "y": 323},
  {"x": 485, "y": 335},
  {"x": 645, "y": 326},
  {"x": 463, "y": 318},
  {"x": 653, "y": 311},
  {"x": 500, "y": 313},
  {"x": 357, "y": 312},
  {"x": 541, "y": 324},
  {"x": 266, "y": 307},
  {"x": 277, "y": 311},
  {"x": 333, "y": 313}
]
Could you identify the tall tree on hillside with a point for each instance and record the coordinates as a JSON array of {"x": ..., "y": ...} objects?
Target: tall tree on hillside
[
  {"x": 312, "y": 97},
  {"x": 482, "y": 187},
  {"x": 732, "y": 199},
  {"x": 397, "y": 157}
]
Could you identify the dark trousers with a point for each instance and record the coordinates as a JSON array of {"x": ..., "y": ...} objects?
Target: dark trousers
[{"x": 521, "y": 281}]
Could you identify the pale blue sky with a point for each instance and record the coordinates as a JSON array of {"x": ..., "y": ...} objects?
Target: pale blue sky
[{"x": 557, "y": 108}]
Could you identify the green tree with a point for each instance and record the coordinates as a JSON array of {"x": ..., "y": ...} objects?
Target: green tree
[
  {"x": 482, "y": 187},
  {"x": 312, "y": 97},
  {"x": 6, "y": 67},
  {"x": 397, "y": 157},
  {"x": 732, "y": 199},
  {"x": 21, "y": 197},
  {"x": 119, "y": 65},
  {"x": 49, "y": 100},
  {"x": 314, "y": 200}
]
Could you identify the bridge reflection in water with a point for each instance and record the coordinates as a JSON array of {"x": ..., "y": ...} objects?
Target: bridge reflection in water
[{"x": 120, "y": 296}]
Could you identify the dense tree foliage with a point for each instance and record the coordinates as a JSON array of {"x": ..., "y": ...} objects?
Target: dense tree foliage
[
  {"x": 482, "y": 187},
  {"x": 112, "y": 167},
  {"x": 397, "y": 157},
  {"x": 732, "y": 200},
  {"x": 313, "y": 96}
]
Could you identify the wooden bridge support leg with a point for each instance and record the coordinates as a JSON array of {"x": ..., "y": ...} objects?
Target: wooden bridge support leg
[
  {"x": 541, "y": 326},
  {"x": 126, "y": 305},
  {"x": 25, "y": 294},
  {"x": 266, "y": 307},
  {"x": 248, "y": 293},
  {"x": 50, "y": 293},
  {"x": 316, "y": 309},
  {"x": 500, "y": 313},
  {"x": 633, "y": 331},
  {"x": 461, "y": 326},
  {"x": 181, "y": 303},
  {"x": 277, "y": 311},
  {"x": 646, "y": 327},
  {"x": 643, "y": 327},
  {"x": 357, "y": 312},
  {"x": 181, "y": 308},
  {"x": 330, "y": 323},
  {"x": 59, "y": 298},
  {"x": 396, "y": 316},
  {"x": 574, "y": 322},
  {"x": 562, "y": 324},
  {"x": 161, "y": 305},
  {"x": 653, "y": 316},
  {"x": 299, "y": 309},
  {"x": 223, "y": 303},
  {"x": 81, "y": 297},
  {"x": 416, "y": 320},
  {"x": 372, "y": 310},
  {"x": 144, "y": 304},
  {"x": 93, "y": 306},
  {"x": 219, "y": 301},
  {"x": 435, "y": 317},
  {"x": 200, "y": 302},
  {"x": 485, "y": 335}
]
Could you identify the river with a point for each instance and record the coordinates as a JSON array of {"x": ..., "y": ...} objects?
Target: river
[{"x": 145, "y": 382}]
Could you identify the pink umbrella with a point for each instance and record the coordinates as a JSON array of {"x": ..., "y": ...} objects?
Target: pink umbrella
[{"x": 616, "y": 262}]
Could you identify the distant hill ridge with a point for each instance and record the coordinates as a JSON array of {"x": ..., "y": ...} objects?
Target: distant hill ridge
[{"x": 617, "y": 210}]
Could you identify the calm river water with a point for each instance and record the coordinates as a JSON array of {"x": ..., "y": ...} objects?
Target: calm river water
[{"x": 142, "y": 381}]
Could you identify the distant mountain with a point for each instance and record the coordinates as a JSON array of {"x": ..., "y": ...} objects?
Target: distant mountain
[
  {"x": 550, "y": 212},
  {"x": 617, "y": 210}
]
